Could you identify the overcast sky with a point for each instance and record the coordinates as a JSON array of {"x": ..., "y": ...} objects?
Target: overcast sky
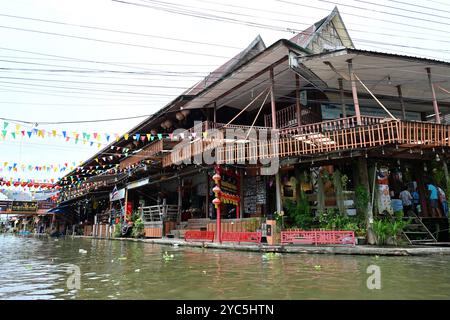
[{"x": 47, "y": 76}]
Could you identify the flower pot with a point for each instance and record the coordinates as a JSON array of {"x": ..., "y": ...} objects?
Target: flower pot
[{"x": 360, "y": 240}]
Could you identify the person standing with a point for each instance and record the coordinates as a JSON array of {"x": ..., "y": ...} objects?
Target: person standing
[
  {"x": 406, "y": 198},
  {"x": 443, "y": 201},
  {"x": 433, "y": 196}
]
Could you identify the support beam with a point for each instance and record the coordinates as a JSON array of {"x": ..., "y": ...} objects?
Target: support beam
[
  {"x": 354, "y": 92},
  {"x": 274, "y": 127},
  {"x": 363, "y": 180},
  {"x": 207, "y": 194},
  {"x": 215, "y": 112},
  {"x": 437, "y": 116},
  {"x": 272, "y": 99},
  {"x": 180, "y": 199},
  {"x": 298, "y": 107},
  {"x": 341, "y": 93},
  {"x": 402, "y": 103}
]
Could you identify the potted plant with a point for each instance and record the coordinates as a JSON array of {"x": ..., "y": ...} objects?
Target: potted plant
[{"x": 360, "y": 234}]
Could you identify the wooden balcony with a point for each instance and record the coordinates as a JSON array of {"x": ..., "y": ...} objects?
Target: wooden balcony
[
  {"x": 154, "y": 150},
  {"x": 287, "y": 117},
  {"x": 325, "y": 137}
]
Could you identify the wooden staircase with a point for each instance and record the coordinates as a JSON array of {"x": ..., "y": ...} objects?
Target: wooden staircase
[{"x": 417, "y": 233}]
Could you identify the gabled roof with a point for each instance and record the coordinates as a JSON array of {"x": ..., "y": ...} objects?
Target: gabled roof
[
  {"x": 255, "y": 47},
  {"x": 306, "y": 38}
]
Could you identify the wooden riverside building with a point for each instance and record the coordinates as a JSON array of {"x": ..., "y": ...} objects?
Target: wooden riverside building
[{"x": 326, "y": 107}]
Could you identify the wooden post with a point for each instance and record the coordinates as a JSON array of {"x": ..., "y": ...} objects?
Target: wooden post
[
  {"x": 354, "y": 92},
  {"x": 272, "y": 99},
  {"x": 363, "y": 179},
  {"x": 402, "y": 103},
  {"x": 298, "y": 106},
  {"x": 274, "y": 127},
  {"x": 341, "y": 92},
  {"x": 241, "y": 193},
  {"x": 215, "y": 112},
  {"x": 180, "y": 200},
  {"x": 207, "y": 195},
  {"x": 437, "y": 116},
  {"x": 447, "y": 178}
]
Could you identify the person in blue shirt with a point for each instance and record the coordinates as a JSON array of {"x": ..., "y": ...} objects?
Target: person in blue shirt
[
  {"x": 416, "y": 201},
  {"x": 433, "y": 196}
]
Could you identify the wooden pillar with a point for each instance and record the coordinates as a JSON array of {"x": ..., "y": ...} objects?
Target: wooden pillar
[
  {"x": 447, "y": 178},
  {"x": 421, "y": 187},
  {"x": 341, "y": 92},
  {"x": 298, "y": 106},
  {"x": 433, "y": 93},
  {"x": 180, "y": 199},
  {"x": 402, "y": 103},
  {"x": 363, "y": 179},
  {"x": 272, "y": 100},
  {"x": 274, "y": 127},
  {"x": 215, "y": 112},
  {"x": 354, "y": 92},
  {"x": 207, "y": 195},
  {"x": 241, "y": 193}
]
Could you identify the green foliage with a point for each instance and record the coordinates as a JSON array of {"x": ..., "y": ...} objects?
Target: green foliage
[
  {"x": 300, "y": 212},
  {"x": 138, "y": 228},
  {"x": 344, "y": 181},
  {"x": 385, "y": 229},
  {"x": 252, "y": 225},
  {"x": 337, "y": 182},
  {"x": 118, "y": 230},
  {"x": 361, "y": 199}
]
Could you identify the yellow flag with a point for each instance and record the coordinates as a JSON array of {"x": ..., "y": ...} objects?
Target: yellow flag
[
  {"x": 54, "y": 133},
  {"x": 17, "y": 127},
  {"x": 126, "y": 135}
]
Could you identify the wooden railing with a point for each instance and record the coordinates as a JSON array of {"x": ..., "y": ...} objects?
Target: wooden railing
[
  {"x": 287, "y": 117},
  {"x": 329, "y": 136},
  {"x": 330, "y": 125}
]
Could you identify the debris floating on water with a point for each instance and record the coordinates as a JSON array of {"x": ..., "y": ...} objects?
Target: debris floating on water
[
  {"x": 167, "y": 256},
  {"x": 317, "y": 267},
  {"x": 137, "y": 270},
  {"x": 82, "y": 251},
  {"x": 271, "y": 255},
  {"x": 122, "y": 258}
]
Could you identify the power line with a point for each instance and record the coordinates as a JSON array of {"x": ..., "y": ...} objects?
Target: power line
[
  {"x": 117, "y": 31},
  {"x": 76, "y": 121},
  {"x": 419, "y": 6},
  {"x": 402, "y": 9}
]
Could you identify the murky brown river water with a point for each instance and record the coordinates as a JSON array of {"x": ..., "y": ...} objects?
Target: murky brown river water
[{"x": 37, "y": 268}]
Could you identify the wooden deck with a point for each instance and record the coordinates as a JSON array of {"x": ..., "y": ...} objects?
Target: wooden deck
[{"x": 320, "y": 138}]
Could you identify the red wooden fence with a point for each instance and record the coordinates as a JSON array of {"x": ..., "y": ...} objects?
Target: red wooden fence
[
  {"x": 195, "y": 235},
  {"x": 241, "y": 237},
  {"x": 317, "y": 237}
]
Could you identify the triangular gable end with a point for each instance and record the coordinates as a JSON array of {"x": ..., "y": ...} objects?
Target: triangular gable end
[
  {"x": 255, "y": 47},
  {"x": 328, "y": 34}
]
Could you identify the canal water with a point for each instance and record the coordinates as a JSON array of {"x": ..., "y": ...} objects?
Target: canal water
[{"x": 39, "y": 268}]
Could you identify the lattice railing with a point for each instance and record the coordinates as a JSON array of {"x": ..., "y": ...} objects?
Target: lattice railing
[
  {"x": 317, "y": 237},
  {"x": 241, "y": 237},
  {"x": 323, "y": 138}
]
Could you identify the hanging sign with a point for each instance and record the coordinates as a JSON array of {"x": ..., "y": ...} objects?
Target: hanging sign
[{"x": 137, "y": 184}]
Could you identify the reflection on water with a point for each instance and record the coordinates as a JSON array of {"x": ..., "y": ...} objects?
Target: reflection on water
[{"x": 35, "y": 268}]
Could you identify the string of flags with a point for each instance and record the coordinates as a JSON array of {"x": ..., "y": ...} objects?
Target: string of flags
[
  {"x": 90, "y": 138},
  {"x": 16, "y": 167}
]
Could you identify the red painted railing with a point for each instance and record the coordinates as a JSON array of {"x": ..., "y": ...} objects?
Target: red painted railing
[
  {"x": 317, "y": 237},
  {"x": 241, "y": 237},
  {"x": 195, "y": 235}
]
